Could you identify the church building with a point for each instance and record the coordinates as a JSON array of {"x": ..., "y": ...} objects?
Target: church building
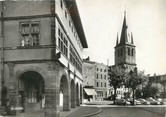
[{"x": 125, "y": 54}]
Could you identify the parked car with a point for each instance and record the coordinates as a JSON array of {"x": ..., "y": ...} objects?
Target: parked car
[
  {"x": 137, "y": 102},
  {"x": 164, "y": 101},
  {"x": 143, "y": 101},
  {"x": 122, "y": 102},
  {"x": 153, "y": 101},
  {"x": 159, "y": 100}
]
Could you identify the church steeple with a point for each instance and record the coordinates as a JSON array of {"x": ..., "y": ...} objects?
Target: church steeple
[
  {"x": 132, "y": 42},
  {"x": 124, "y": 37},
  {"x": 117, "y": 42},
  {"x": 125, "y": 52}
]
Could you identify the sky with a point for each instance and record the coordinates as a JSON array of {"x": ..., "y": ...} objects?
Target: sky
[{"x": 146, "y": 19}]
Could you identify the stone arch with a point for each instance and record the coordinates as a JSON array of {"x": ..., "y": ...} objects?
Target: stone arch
[
  {"x": 72, "y": 93},
  {"x": 77, "y": 95},
  {"x": 31, "y": 68},
  {"x": 31, "y": 90},
  {"x": 64, "y": 93}
]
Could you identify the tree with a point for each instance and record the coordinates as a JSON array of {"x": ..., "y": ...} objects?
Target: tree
[
  {"x": 134, "y": 79},
  {"x": 116, "y": 76},
  {"x": 153, "y": 90}
]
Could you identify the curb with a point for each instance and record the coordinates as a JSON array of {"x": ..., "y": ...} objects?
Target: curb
[{"x": 93, "y": 113}]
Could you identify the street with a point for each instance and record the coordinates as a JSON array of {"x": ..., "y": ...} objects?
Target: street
[{"x": 131, "y": 112}]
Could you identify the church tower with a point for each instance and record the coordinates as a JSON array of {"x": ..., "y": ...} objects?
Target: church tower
[{"x": 125, "y": 53}]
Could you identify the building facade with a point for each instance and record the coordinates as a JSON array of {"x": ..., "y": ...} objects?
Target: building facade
[
  {"x": 41, "y": 55},
  {"x": 96, "y": 75},
  {"x": 124, "y": 55}
]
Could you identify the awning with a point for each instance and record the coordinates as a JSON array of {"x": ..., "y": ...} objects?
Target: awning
[{"x": 90, "y": 91}]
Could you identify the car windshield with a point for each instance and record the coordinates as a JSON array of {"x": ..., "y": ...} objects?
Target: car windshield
[
  {"x": 159, "y": 99},
  {"x": 141, "y": 100},
  {"x": 151, "y": 99}
]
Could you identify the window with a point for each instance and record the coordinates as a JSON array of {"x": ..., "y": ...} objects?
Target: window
[
  {"x": 132, "y": 52},
  {"x": 62, "y": 43},
  {"x": 65, "y": 47},
  {"x": 97, "y": 84},
  {"x": 97, "y": 76},
  {"x": 101, "y": 94},
  {"x": 72, "y": 29},
  {"x": 71, "y": 55},
  {"x": 121, "y": 52},
  {"x": 105, "y": 85},
  {"x": 61, "y": 4},
  {"x": 101, "y": 70},
  {"x": 65, "y": 14},
  {"x": 29, "y": 33},
  {"x": 101, "y": 84},
  {"x": 118, "y": 53},
  {"x": 97, "y": 69},
  {"x": 128, "y": 49},
  {"x": 69, "y": 23},
  {"x": 101, "y": 76},
  {"x": 105, "y": 77},
  {"x": 75, "y": 59}
]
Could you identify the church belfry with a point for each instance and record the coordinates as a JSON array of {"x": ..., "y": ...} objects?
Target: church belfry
[{"x": 125, "y": 53}]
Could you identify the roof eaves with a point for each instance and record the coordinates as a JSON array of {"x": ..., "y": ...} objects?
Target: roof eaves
[{"x": 72, "y": 7}]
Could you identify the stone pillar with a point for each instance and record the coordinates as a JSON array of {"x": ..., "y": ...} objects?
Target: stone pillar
[
  {"x": 81, "y": 94},
  {"x": 73, "y": 96},
  {"x": 13, "y": 101},
  {"x": 52, "y": 108},
  {"x": 51, "y": 102},
  {"x": 66, "y": 101},
  {"x": 66, "y": 96},
  {"x": 77, "y": 95}
]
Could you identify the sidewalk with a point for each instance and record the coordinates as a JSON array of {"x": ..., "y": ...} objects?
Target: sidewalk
[{"x": 81, "y": 111}]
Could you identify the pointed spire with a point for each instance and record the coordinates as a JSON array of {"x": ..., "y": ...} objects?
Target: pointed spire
[
  {"x": 124, "y": 37},
  {"x": 124, "y": 21},
  {"x": 117, "y": 40},
  {"x": 132, "y": 42}
]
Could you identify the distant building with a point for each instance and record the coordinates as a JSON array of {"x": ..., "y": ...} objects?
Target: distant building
[
  {"x": 96, "y": 75},
  {"x": 159, "y": 79},
  {"x": 41, "y": 55},
  {"x": 125, "y": 54}
]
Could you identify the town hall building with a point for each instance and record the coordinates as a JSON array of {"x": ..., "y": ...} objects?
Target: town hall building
[{"x": 41, "y": 56}]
